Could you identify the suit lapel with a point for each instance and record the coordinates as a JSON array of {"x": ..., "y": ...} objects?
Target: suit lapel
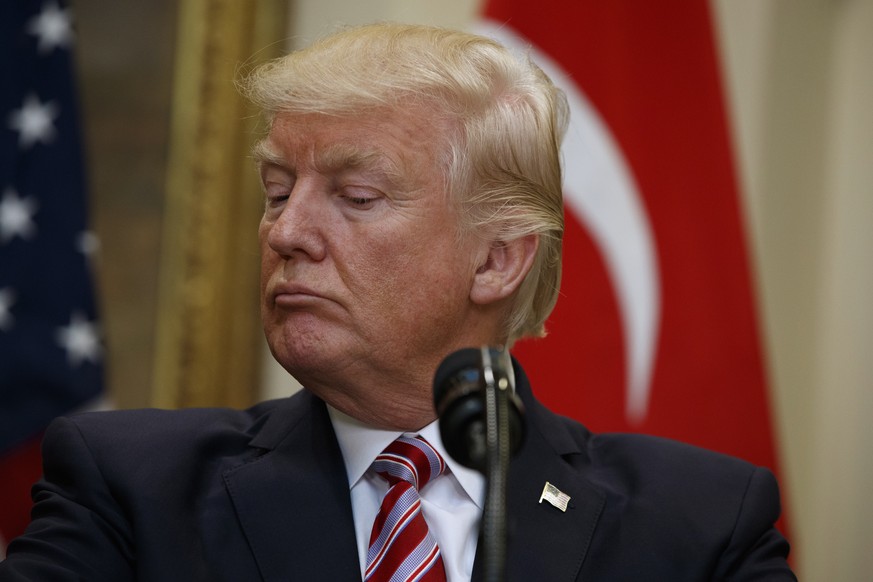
[
  {"x": 545, "y": 543},
  {"x": 293, "y": 501}
]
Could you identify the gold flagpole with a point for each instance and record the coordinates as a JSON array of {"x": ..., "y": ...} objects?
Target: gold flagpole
[{"x": 208, "y": 328}]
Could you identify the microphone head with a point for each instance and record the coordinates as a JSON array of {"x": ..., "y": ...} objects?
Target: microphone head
[
  {"x": 458, "y": 372},
  {"x": 459, "y": 399}
]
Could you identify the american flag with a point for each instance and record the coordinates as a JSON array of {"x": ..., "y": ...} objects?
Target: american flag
[{"x": 50, "y": 348}]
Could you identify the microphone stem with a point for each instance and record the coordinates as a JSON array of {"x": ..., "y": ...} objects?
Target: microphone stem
[{"x": 494, "y": 517}]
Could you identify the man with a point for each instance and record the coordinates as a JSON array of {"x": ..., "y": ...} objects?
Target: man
[{"x": 413, "y": 208}]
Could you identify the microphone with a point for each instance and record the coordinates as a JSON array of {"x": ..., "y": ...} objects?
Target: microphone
[
  {"x": 461, "y": 387},
  {"x": 481, "y": 426}
]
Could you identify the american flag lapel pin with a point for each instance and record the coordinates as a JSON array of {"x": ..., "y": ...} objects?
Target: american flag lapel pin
[{"x": 555, "y": 496}]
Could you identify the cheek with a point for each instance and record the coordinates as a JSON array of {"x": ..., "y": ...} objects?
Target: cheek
[{"x": 425, "y": 279}]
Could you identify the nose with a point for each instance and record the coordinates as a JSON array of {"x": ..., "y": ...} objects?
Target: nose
[{"x": 298, "y": 230}]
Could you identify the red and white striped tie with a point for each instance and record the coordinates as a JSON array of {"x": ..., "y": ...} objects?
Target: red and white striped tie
[{"x": 401, "y": 546}]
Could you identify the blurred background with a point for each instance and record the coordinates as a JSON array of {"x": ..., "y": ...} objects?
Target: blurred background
[{"x": 176, "y": 221}]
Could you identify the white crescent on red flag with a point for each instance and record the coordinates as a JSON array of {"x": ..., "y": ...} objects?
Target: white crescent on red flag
[{"x": 656, "y": 328}]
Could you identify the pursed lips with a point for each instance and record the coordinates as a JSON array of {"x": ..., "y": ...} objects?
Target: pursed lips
[{"x": 294, "y": 295}]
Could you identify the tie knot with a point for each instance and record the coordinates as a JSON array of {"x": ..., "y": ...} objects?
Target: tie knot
[{"x": 409, "y": 459}]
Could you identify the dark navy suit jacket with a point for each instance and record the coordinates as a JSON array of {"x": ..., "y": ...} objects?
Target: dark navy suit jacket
[{"x": 262, "y": 494}]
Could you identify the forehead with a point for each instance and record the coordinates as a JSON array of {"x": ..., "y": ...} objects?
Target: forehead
[{"x": 394, "y": 142}]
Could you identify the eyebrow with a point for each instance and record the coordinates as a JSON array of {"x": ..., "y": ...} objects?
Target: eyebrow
[
  {"x": 336, "y": 157},
  {"x": 351, "y": 157},
  {"x": 263, "y": 153}
]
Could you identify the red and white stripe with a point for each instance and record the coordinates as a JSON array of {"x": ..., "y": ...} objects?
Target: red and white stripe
[{"x": 401, "y": 546}]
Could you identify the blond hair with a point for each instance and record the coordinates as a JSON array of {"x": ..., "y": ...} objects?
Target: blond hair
[{"x": 502, "y": 164}]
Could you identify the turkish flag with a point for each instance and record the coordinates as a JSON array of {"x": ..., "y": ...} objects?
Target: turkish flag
[{"x": 655, "y": 330}]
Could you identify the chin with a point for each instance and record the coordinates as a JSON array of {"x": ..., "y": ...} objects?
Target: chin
[{"x": 303, "y": 358}]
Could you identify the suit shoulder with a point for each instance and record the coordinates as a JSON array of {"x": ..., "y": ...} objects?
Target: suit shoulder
[
  {"x": 664, "y": 471},
  {"x": 680, "y": 477},
  {"x": 157, "y": 421},
  {"x": 630, "y": 457},
  {"x": 148, "y": 433},
  {"x": 646, "y": 452}
]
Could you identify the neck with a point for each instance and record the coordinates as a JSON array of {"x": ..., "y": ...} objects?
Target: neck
[
  {"x": 406, "y": 411},
  {"x": 387, "y": 397}
]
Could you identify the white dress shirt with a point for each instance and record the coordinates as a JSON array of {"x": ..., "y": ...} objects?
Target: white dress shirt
[{"x": 452, "y": 504}]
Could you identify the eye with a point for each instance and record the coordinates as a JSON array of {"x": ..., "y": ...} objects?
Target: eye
[
  {"x": 360, "y": 201},
  {"x": 276, "y": 194},
  {"x": 360, "y": 198},
  {"x": 277, "y": 184}
]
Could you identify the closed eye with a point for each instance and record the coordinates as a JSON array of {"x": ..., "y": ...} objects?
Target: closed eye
[
  {"x": 274, "y": 201},
  {"x": 360, "y": 198},
  {"x": 276, "y": 193},
  {"x": 360, "y": 201}
]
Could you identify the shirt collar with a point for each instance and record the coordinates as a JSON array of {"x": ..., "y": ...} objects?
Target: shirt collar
[{"x": 361, "y": 443}]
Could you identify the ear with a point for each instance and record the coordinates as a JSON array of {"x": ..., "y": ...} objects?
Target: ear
[{"x": 503, "y": 269}]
